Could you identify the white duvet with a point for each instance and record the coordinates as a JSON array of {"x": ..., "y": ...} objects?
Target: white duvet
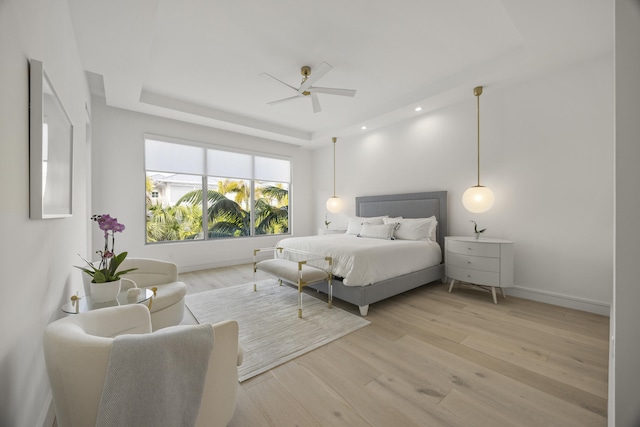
[{"x": 362, "y": 261}]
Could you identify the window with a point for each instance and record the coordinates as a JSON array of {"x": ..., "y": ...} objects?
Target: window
[{"x": 244, "y": 194}]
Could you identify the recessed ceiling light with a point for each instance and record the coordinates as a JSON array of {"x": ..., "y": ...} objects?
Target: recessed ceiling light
[
  {"x": 418, "y": 108},
  {"x": 363, "y": 128}
]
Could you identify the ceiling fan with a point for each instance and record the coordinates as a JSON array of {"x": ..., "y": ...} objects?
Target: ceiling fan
[{"x": 306, "y": 86}]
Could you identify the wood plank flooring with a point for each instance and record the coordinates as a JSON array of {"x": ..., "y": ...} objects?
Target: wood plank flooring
[{"x": 433, "y": 358}]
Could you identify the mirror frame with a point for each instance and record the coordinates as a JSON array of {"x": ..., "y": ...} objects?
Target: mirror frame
[{"x": 50, "y": 149}]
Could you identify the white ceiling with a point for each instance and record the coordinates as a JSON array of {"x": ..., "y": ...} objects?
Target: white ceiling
[{"x": 200, "y": 60}]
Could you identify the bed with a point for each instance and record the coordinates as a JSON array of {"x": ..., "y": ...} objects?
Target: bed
[{"x": 360, "y": 291}]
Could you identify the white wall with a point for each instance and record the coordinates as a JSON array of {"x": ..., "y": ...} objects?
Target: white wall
[
  {"x": 551, "y": 137},
  {"x": 37, "y": 255},
  {"x": 119, "y": 186},
  {"x": 624, "y": 372},
  {"x": 546, "y": 152}
]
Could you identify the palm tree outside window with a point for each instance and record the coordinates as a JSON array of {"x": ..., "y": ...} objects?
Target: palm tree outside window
[{"x": 238, "y": 204}]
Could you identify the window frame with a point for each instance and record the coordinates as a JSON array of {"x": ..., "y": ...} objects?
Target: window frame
[{"x": 205, "y": 185}]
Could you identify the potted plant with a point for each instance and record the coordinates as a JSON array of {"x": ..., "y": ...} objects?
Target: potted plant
[
  {"x": 476, "y": 231},
  {"x": 105, "y": 278}
]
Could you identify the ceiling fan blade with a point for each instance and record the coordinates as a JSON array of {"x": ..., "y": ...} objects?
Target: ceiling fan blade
[
  {"x": 279, "y": 101},
  {"x": 332, "y": 91},
  {"x": 271, "y": 78},
  {"x": 316, "y": 103},
  {"x": 316, "y": 73}
]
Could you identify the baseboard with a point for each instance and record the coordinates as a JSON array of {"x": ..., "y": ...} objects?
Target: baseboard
[
  {"x": 227, "y": 263},
  {"x": 560, "y": 300}
]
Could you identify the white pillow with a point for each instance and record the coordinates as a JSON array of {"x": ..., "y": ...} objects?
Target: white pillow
[
  {"x": 355, "y": 223},
  {"x": 416, "y": 229},
  {"x": 377, "y": 231},
  {"x": 390, "y": 220}
]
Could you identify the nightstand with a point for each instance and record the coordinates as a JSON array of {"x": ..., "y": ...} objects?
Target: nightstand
[
  {"x": 487, "y": 263},
  {"x": 325, "y": 231}
]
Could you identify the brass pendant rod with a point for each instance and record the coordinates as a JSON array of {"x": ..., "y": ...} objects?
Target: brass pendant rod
[
  {"x": 334, "y": 165},
  {"x": 477, "y": 92},
  {"x": 478, "y": 98}
]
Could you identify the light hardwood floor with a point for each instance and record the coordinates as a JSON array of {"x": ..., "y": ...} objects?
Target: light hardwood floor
[{"x": 431, "y": 358}]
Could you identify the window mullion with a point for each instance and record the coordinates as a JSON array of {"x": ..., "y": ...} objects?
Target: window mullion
[
  {"x": 252, "y": 209},
  {"x": 205, "y": 207}
]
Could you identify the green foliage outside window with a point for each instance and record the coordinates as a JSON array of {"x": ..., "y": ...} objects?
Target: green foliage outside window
[{"x": 228, "y": 212}]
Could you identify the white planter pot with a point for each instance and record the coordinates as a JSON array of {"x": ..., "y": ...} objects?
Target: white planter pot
[
  {"x": 86, "y": 284},
  {"x": 104, "y": 292}
]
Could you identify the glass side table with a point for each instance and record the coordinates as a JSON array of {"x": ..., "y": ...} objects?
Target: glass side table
[{"x": 82, "y": 304}]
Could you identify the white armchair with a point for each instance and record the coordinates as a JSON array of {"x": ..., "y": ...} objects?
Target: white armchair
[
  {"x": 167, "y": 307},
  {"x": 77, "y": 349}
]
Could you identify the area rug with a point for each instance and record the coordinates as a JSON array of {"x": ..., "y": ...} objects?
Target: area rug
[{"x": 270, "y": 331}]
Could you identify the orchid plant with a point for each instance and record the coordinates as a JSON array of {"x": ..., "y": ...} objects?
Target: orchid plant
[{"x": 107, "y": 269}]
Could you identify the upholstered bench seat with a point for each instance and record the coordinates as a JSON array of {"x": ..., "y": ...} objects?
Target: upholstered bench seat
[
  {"x": 288, "y": 271},
  {"x": 296, "y": 272}
]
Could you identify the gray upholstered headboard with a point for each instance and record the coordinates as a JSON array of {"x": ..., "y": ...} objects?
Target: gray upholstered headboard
[{"x": 412, "y": 205}]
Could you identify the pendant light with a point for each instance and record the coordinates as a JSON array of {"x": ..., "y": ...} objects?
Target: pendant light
[
  {"x": 334, "y": 204},
  {"x": 478, "y": 199}
]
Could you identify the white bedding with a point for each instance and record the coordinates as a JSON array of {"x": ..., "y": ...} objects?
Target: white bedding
[{"x": 363, "y": 261}]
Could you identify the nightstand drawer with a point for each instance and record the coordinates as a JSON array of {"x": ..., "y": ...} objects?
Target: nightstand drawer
[
  {"x": 473, "y": 248},
  {"x": 474, "y": 262},
  {"x": 473, "y": 276}
]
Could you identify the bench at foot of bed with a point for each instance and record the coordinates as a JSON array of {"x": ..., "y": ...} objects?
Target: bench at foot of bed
[{"x": 295, "y": 272}]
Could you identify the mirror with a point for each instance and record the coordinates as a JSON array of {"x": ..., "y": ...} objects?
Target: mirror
[{"x": 50, "y": 149}]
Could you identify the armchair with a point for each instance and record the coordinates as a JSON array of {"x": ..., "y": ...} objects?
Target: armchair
[
  {"x": 77, "y": 349},
  {"x": 167, "y": 308}
]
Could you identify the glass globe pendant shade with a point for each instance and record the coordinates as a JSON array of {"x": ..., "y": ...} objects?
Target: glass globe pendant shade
[
  {"x": 334, "y": 204},
  {"x": 478, "y": 199}
]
